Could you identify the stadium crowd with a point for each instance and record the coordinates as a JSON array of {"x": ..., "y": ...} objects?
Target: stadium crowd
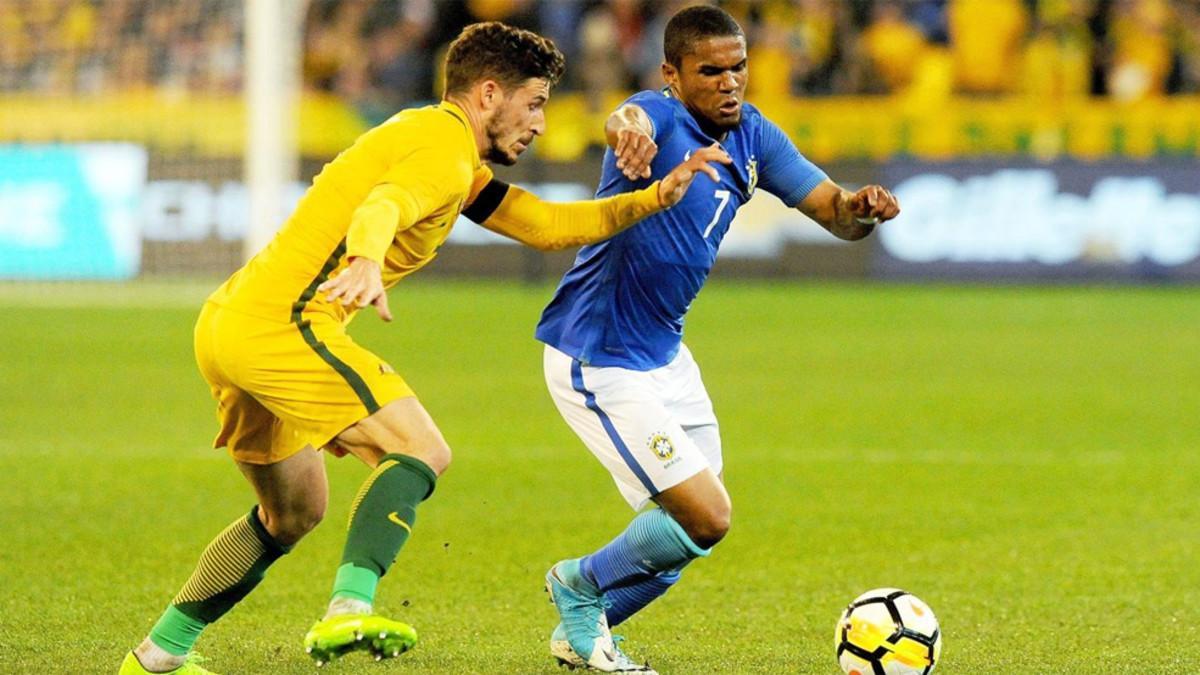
[{"x": 381, "y": 54}]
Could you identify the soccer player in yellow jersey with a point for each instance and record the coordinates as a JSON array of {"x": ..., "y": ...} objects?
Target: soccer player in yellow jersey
[{"x": 290, "y": 382}]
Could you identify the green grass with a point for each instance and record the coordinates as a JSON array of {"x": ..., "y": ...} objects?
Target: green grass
[{"x": 1023, "y": 459}]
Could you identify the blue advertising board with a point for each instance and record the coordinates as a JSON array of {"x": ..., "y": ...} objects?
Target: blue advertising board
[{"x": 71, "y": 211}]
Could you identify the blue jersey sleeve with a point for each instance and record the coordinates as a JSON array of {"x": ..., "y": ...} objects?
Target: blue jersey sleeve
[
  {"x": 661, "y": 110},
  {"x": 785, "y": 173}
]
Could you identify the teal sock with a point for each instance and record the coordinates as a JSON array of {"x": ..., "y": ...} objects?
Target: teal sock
[
  {"x": 231, "y": 566},
  {"x": 652, "y": 543},
  {"x": 381, "y": 520},
  {"x": 625, "y": 601}
]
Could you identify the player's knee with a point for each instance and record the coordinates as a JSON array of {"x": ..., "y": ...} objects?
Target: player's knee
[
  {"x": 712, "y": 530},
  {"x": 297, "y": 525},
  {"x": 707, "y": 529},
  {"x": 290, "y": 525},
  {"x": 427, "y": 446},
  {"x": 310, "y": 517},
  {"x": 437, "y": 456}
]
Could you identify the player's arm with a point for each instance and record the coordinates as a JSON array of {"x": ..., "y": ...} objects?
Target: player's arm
[
  {"x": 798, "y": 182},
  {"x": 403, "y": 196},
  {"x": 630, "y": 134},
  {"x": 547, "y": 226},
  {"x": 849, "y": 215}
]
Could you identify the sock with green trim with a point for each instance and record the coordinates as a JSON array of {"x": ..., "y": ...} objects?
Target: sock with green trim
[
  {"x": 381, "y": 520},
  {"x": 231, "y": 566}
]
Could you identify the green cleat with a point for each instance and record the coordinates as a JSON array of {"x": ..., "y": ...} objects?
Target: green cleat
[
  {"x": 191, "y": 666},
  {"x": 336, "y": 636}
]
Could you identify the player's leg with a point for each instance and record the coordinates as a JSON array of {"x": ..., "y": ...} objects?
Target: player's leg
[
  {"x": 621, "y": 416},
  {"x": 642, "y": 562},
  {"x": 645, "y": 445},
  {"x": 288, "y": 478},
  {"x": 327, "y": 391},
  {"x": 292, "y": 496},
  {"x": 625, "y": 601},
  {"x": 687, "y": 400},
  {"x": 407, "y": 452}
]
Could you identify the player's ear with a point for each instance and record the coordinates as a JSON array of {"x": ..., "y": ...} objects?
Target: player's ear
[
  {"x": 669, "y": 73},
  {"x": 490, "y": 94}
]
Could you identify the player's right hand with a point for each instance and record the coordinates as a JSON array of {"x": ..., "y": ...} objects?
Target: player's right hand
[
  {"x": 672, "y": 188},
  {"x": 359, "y": 285},
  {"x": 634, "y": 151}
]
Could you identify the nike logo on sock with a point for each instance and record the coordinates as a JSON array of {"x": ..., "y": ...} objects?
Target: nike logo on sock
[{"x": 395, "y": 518}]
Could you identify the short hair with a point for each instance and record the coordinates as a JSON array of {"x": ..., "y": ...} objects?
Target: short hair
[
  {"x": 496, "y": 51},
  {"x": 692, "y": 24}
]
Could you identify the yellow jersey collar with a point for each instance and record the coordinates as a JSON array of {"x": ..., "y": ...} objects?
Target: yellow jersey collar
[{"x": 458, "y": 114}]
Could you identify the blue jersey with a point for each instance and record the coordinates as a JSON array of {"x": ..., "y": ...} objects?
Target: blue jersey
[{"x": 623, "y": 301}]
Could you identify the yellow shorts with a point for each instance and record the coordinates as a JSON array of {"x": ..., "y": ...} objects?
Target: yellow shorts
[{"x": 283, "y": 386}]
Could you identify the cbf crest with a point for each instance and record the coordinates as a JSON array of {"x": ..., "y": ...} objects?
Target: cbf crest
[
  {"x": 660, "y": 444},
  {"x": 751, "y": 175}
]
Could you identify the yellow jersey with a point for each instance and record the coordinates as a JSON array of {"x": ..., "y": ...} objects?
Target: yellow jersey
[{"x": 391, "y": 197}]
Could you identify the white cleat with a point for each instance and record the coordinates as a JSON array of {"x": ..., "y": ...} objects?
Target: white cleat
[{"x": 614, "y": 660}]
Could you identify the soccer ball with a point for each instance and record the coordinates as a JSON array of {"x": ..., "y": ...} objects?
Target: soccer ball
[{"x": 887, "y": 631}]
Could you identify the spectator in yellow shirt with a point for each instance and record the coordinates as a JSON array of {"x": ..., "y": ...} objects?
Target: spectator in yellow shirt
[
  {"x": 892, "y": 45},
  {"x": 1141, "y": 49},
  {"x": 985, "y": 42},
  {"x": 1058, "y": 58}
]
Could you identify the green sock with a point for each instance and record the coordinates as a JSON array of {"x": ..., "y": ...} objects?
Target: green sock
[
  {"x": 231, "y": 566},
  {"x": 381, "y": 520},
  {"x": 176, "y": 632}
]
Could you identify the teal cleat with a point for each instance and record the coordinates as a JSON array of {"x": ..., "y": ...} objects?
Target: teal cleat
[
  {"x": 561, "y": 650},
  {"x": 337, "y": 636},
  {"x": 581, "y": 611}
]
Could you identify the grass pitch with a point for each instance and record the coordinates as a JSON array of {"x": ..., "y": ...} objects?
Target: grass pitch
[{"x": 1023, "y": 459}]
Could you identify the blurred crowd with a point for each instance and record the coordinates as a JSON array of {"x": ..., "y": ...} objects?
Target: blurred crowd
[
  {"x": 383, "y": 54},
  {"x": 101, "y": 46}
]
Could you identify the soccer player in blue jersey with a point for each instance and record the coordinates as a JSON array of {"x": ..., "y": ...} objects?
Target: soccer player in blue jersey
[{"x": 614, "y": 361}]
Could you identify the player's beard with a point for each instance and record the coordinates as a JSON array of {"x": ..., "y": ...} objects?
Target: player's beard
[
  {"x": 716, "y": 128},
  {"x": 726, "y": 123},
  {"x": 495, "y": 152}
]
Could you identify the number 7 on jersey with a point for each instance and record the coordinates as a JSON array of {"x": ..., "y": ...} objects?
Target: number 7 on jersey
[{"x": 722, "y": 195}]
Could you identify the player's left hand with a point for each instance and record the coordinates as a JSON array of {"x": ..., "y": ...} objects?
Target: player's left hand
[
  {"x": 359, "y": 285},
  {"x": 874, "y": 202}
]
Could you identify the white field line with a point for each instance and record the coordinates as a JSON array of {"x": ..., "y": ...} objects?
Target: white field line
[{"x": 134, "y": 294}]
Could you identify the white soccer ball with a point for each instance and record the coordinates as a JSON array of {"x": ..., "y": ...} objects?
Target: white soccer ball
[{"x": 887, "y": 631}]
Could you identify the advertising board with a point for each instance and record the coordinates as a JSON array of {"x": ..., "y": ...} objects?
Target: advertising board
[
  {"x": 1064, "y": 221},
  {"x": 71, "y": 211}
]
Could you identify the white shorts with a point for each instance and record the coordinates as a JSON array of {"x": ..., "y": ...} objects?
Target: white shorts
[{"x": 651, "y": 429}]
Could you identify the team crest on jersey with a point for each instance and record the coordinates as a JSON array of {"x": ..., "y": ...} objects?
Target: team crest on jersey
[
  {"x": 660, "y": 444},
  {"x": 752, "y": 174}
]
